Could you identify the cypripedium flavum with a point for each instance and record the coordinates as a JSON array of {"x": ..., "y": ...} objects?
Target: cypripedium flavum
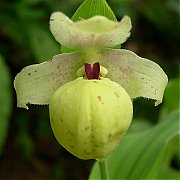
[{"x": 90, "y": 90}]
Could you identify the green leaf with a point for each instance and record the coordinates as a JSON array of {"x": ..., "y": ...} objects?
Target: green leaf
[
  {"x": 171, "y": 154},
  {"x": 5, "y": 101},
  {"x": 140, "y": 155},
  {"x": 140, "y": 124},
  {"x": 91, "y": 8},
  {"x": 171, "y": 98},
  {"x": 171, "y": 95},
  {"x": 168, "y": 173}
]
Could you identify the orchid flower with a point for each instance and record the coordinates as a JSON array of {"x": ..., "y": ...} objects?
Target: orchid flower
[{"x": 93, "y": 59}]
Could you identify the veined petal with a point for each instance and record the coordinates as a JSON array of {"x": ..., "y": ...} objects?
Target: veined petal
[
  {"x": 97, "y": 31},
  {"x": 35, "y": 84},
  {"x": 140, "y": 77}
]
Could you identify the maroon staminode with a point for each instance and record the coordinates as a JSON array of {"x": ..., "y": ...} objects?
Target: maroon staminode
[{"x": 92, "y": 72}]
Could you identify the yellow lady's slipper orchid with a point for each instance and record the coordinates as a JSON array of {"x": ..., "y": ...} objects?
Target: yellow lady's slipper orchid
[{"x": 90, "y": 114}]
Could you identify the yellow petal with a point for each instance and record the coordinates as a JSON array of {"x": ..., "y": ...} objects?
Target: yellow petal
[
  {"x": 140, "y": 77},
  {"x": 35, "y": 84}
]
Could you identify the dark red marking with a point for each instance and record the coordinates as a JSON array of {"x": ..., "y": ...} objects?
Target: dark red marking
[
  {"x": 92, "y": 72},
  {"x": 96, "y": 70},
  {"x": 88, "y": 71}
]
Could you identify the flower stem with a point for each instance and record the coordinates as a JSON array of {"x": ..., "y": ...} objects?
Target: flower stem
[{"x": 103, "y": 170}]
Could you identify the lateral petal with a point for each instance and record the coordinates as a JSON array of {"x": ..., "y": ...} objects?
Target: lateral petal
[
  {"x": 140, "y": 77},
  {"x": 35, "y": 84}
]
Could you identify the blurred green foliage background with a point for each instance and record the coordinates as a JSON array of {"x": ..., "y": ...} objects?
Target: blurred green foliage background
[{"x": 28, "y": 149}]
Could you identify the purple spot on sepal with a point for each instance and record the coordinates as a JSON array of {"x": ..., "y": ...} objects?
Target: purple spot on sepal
[{"x": 92, "y": 72}]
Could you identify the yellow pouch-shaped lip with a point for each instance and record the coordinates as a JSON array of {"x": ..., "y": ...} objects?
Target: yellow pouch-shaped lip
[{"x": 89, "y": 117}]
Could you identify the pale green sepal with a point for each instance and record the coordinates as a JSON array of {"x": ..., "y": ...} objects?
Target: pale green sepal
[
  {"x": 35, "y": 84},
  {"x": 90, "y": 8},
  {"x": 140, "y": 77},
  {"x": 97, "y": 31}
]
